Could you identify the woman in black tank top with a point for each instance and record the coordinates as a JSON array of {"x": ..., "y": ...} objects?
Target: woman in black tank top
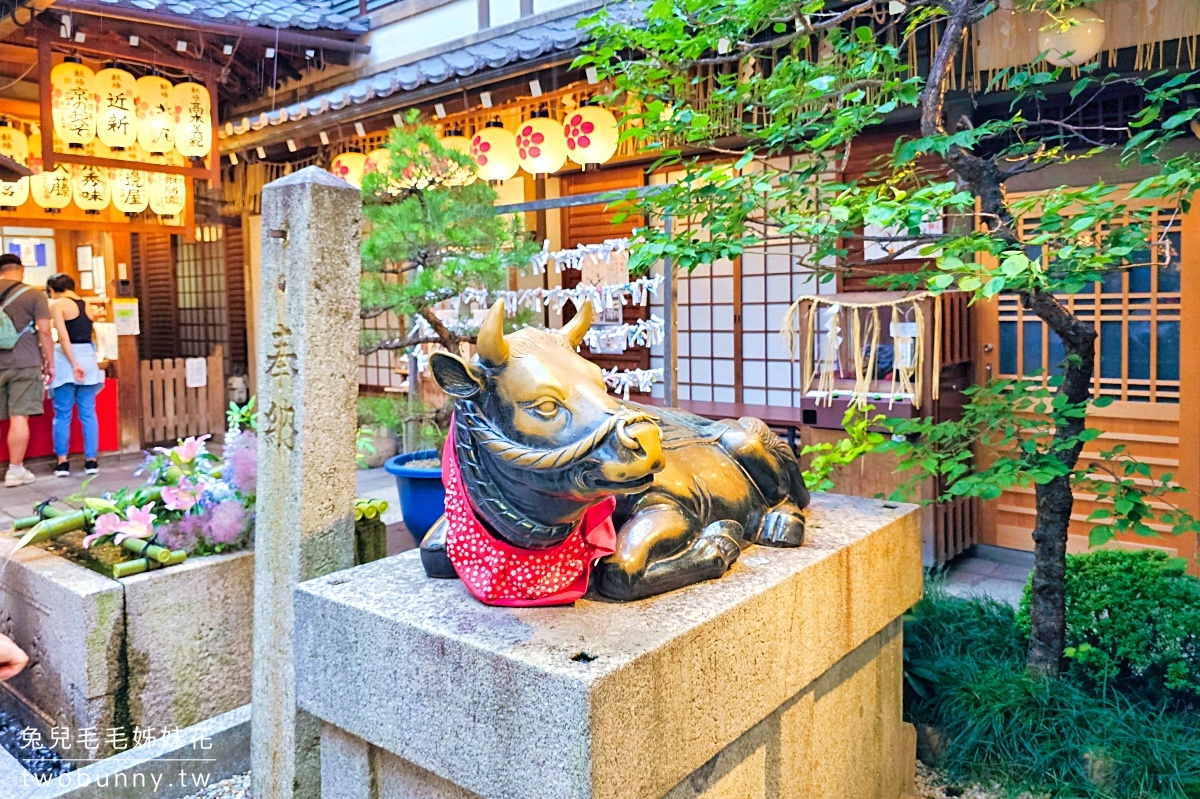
[{"x": 78, "y": 378}]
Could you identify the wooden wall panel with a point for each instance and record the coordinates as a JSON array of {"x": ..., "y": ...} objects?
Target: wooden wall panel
[
  {"x": 153, "y": 263},
  {"x": 235, "y": 285}
]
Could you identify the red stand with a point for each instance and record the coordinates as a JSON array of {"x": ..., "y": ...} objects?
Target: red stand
[{"x": 41, "y": 434}]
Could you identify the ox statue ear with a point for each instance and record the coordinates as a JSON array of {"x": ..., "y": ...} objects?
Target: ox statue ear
[
  {"x": 457, "y": 377},
  {"x": 491, "y": 346},
  {"x": 577, "y": 328}
]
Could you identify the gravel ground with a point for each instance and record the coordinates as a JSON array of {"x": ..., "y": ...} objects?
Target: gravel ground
[
  {"x": 932, "y": 785},
  {"x": 233, "y": 788}
]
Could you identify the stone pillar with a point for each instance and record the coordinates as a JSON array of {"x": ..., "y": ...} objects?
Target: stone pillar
[{"x": 307, "y": 387}]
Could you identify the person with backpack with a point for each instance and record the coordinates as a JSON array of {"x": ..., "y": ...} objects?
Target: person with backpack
[
  {"x": 77, "y": 376},
  {"x": 26, "y": 361}
]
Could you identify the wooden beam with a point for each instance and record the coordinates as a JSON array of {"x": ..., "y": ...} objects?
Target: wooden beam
[
  {"x": 10, "y": 22},
  {"x": 47, "y": 38}
]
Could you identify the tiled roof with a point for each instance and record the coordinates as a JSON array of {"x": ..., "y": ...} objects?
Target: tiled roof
[
  {"x": 557, "y": 35},
  {"x": 301, "y": 14}
]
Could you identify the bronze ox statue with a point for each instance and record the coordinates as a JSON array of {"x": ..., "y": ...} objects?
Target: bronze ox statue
[{"x": 539, "y": 440}]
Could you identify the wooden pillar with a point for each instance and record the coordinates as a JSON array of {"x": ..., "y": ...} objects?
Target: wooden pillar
[{"x": 118, "y": 252}]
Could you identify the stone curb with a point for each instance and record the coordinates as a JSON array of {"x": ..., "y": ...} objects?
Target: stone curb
[
  {"x": 134, "y": 773},
  {"x": 11, "y": 772}
]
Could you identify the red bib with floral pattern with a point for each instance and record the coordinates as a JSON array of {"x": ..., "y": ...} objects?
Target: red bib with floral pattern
[{"x": 497, "y": 573}]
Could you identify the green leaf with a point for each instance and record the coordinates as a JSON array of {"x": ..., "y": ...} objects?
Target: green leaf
[{"x": 1099, "y": 536}]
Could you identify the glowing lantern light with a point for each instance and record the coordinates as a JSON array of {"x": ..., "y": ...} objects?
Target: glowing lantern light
[
  {"x": 193, "y": 119},
  {"x": 52, "y": 190},
  {"x": 90, "y": 188},
  {"x": 15, "y": 145},
  {"x": 591, "y": 134},
  {"x": 458, "y": 175},
  {"x": 541, "y": 146},
  {"x": 117, "y": 125},
  {"x": 168, "y": 194},
  {"x": 130, "y": 191},
  {"x": 495, "y": 152},
  {"x": 349, "y": 167},
  {"x": 155, "y": 114},
  {"x": 1075, "y": 44},
  {"x": 73, "y": 102},
  {"x": 378, "y": 160}
]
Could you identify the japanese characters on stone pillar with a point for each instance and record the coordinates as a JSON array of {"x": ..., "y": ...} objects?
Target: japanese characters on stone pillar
[{"x": 307, "y": 387}]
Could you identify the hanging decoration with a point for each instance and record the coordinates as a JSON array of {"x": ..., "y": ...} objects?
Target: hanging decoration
[
  {"x": 574, "y": 257},
  {"x": 457, "y": 175},
  {"x": 130, "y": 191},
  {"x": 591, "y": 135},
  {"x": 193, "y": 119},
  {"x": 622, "y": 381},
  {"x": 541, "y": 146},
  {"x": 90, "y": 188},
  {"x": 643, "y": 333},
  {"x": 52, "y": 190},
  {"x": 116, "y": 125},
  {"x": 602, "y": 297},
  {"x": 495, "y": 152},
  {"x": 155, "y": 113},
  {"x": 14, "y": 145},
  {"x": 349, "y": 167},
  {"x": 168, "y": 194},
  {"x": 839, "y": 337},
  {"x": 73, "y": 102},
  {"x": 1072, "y": 38}
]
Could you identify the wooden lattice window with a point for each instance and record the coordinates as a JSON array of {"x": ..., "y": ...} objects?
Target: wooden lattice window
[
  {"x": 1136, "y": 314},
  {"x": 202, "y": 292}
]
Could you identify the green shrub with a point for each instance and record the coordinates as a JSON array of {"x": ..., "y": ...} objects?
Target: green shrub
[
  {"x": 382, "y": 411},
  {"x": 966, "y": 677},
  {"x": 1133, "y": 621}
]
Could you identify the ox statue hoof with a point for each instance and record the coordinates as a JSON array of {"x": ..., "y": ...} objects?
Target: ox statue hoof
[{"x": 781, "y": 528}]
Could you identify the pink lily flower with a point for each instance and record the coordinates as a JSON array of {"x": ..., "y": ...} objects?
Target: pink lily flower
[
  {"x": 183, "y": 498},
  {"x": 190, "y": 447},
  {"x": 106, "y": 525},
  {"x": 139, "y": 523}
]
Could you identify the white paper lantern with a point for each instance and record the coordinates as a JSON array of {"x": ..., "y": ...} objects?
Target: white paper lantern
[
  {"x": 130, "y": 190},
  {"x": 349, "y": 167},
  {"x": 73, "y": 103},
  {"x": 1077, "y": 42},
  {"x": 168, "y": 194},
  {"x": 15, "y": 145},
  {"x": 541, "y": 146},
  {"x": 458, "y": 175},
  {"x": 155, "y": 113},
  {"x": 193, "y": 119},
  {"x": 52, "y": 189},
  {"x": 90, "y": 188},
  {"x": 116, "y": 124},
  {"x": 591, "y": 135},
  {"x": 495, "y": 152}
]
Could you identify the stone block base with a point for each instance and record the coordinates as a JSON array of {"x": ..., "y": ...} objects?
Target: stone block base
[
  {"x": 781, "y": 680},
  {"x": 161, "y": 650}
]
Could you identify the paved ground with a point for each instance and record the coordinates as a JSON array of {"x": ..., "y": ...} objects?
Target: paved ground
[
  {"x": 117, "y": 471},
  {"x": 990, "y": 571}
]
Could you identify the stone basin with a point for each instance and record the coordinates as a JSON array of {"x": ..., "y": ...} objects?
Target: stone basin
[{"x": 157, "y": 651}]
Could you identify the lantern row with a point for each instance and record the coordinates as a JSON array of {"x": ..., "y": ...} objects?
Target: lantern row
[
  {"x": 541, "y": 145},
  {"x": 91, "y": 188},
  {"x": 119, "y": 110}
]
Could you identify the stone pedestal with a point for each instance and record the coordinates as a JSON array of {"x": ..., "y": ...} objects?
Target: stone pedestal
[{"x": 779, "y": 681}]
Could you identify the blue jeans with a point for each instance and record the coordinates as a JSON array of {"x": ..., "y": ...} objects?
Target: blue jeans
[{"x": 66, "y": 397}]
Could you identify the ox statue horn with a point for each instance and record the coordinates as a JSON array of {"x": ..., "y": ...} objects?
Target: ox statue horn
[
  {"x": 493, "y": 349},
  {"x": 577, "y": 328}
]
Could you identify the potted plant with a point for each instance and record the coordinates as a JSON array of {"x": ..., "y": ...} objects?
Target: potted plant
[
  {"x": 432, "y": 233},
  {"x": 380, "y": 424}
]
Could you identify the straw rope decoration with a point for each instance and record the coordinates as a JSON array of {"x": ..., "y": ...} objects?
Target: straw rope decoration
[{"x": 800, "y": 329}]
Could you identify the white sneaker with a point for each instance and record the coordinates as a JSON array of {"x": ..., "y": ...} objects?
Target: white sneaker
[{"x": 18, "y": 476}]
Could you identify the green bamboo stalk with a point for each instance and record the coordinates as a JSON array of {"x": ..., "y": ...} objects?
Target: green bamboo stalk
[
  {"x": 139, "y": 565},
  {"x": 25, "y": 522},
  {"x": 49, "y": 528},
  {"x": 153, "y": 551}
]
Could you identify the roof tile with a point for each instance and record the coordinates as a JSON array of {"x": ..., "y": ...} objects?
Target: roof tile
[{"x": 307, "y": 14}]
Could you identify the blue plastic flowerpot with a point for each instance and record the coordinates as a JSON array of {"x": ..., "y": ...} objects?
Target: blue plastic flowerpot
[{"x": 422, "y": 496}]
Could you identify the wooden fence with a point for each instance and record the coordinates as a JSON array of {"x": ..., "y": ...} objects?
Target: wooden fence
[{"x": 171, "y": 410}]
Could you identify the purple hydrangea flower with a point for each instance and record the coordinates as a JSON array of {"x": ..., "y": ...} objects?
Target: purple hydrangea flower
[
  {"x": 241, "y": 458},
  {"x": 226, "y": 523},
  {"x": 183, "y": 533}
]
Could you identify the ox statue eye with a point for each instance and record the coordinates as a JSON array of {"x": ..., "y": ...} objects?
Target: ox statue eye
[{"x": 546, "y": 407}]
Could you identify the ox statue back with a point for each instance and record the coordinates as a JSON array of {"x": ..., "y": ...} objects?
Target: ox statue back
[{"x": 537, "y": 441}]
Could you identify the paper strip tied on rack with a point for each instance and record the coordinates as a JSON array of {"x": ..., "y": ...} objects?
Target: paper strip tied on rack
[
  {"x": 602, "y": 297},
  {"x": 643, "y": 333},
  {"x": 624, "y": 381},
  {"x": 840, "y": 338},
  {"x": 574, "y": 257}
]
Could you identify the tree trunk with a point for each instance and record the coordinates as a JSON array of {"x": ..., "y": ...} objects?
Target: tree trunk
[{"x": 1047, "y": 606}]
